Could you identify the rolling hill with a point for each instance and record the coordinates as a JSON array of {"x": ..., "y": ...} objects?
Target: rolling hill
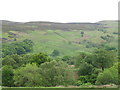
[{"x": 67, "y": 38}]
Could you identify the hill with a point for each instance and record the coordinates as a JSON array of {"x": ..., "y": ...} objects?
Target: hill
[
  {"x": 17, "y": 26},
  {"x": 67, "y": 38}
]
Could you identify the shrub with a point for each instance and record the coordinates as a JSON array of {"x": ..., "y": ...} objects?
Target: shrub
[
  {"x": 55, "y": 53},
  {"x": 40, "y": 58},
  {"x": 78, "y": 83},
  {"x": 85, "y": 69},
  {"x": 56, "y": 73},
  {"x": 7, "y": 76},
  {"x": 109, "y": 76},
  {"x": 28, "y": 76}
]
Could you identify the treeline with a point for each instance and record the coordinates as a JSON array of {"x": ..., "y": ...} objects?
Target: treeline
[
  {"x": 97, "y": 68},
  {"x": 17, "y": 47},
  {"x": 36, "y": 70}
]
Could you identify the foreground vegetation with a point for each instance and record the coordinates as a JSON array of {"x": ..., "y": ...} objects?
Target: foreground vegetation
[{"x": 96, "y": 68}]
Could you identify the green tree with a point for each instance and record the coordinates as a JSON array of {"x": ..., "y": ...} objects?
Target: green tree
[
  {"x": 7, "y": 76},
  {"x": 8, "y": 60},
  {"x": 40, "y": 58},
  {"x": 68, "y": 59},
  {"x": 80, "y": 58},
  {"x": 26, "y": 58},
  {"x": 28, "y": 76},
  {"x": 17, "y": 48},
  {"x": 8, "y": 49},
  {"x": 85, "y": 69},
  {"x": 103, "y": 58},
  {"x": 109, "y": 76},
  {"x": 55, "y": 53},
  {"x": 28, "y": 45},
  {"x": 56, "y": 73},
  {"x": 29, "y": 42},
  {"x": 82, "y": 33},
  {"x": 109, "y": 48},
  {"x": 16, "y": 59}
]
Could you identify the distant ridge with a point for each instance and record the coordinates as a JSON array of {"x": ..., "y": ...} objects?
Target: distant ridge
[{"x": 45, "y": 25}]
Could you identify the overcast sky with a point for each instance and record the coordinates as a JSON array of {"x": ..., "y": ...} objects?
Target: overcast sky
[{"x": 59, "y": 10}]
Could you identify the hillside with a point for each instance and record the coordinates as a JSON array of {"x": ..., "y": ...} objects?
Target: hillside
[
  {"x": 64, "y": 37},
  {"x": 65, "y": 55},
  {"x": 17, "y": 26}
]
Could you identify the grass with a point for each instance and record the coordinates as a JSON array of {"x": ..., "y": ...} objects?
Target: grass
[
  {"x": 82, "y": 86},
  {"x": 66, "y": 42},
  {"x": 63, "y": 41}
]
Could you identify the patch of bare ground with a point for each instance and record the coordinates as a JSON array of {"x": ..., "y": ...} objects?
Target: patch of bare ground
[
  {"x": 90, "y": 86},
  {"x": 107, "y": 86},
  {"x": 99, "y": 86},
  {"x": 70, "y": 86}
]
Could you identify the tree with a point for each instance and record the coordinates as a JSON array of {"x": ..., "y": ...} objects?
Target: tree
[
  {"x": 55, "y": 53},
  {"x": 85, "y": 69},
  {"x": 8, "y": 49},
  {"x": 29, "y": 42},
  {"x": 103, "y": 58},
  {"x": 26, "y": 58},
  {"x": 15, "y": 61},
  {"x": 82, "y": 33},
  {"x": 7, "y": 76},
  {"x": 109, "y": 48},
  {"x": 28, "y": 76},
  {"x": 80, "y": 58},
  {"x": 8, "y": 60},
  {"x": 17, "y": 48},
  {"x": 68, "y": 59},
  {"x": 27, "y": 47},
  {"x": 56, "y": 73},
  {"x": 109, "y": 76},
  {"x": 40, "y": 58}
]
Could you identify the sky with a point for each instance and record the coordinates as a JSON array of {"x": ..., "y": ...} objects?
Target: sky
[{"x": 59, "y": 10}]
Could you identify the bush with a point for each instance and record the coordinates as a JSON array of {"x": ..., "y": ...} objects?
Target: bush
[
  {"x": 78, "y": 83},
  {"x": 8, "y": 60},
  {"x": 83, "y": 79},
  {"x": 108, "y": 38},
  {"x": 56, "y": 73},
  {"x": 109, "y": 76},
  {"x": 28, "y": 76},
  {"x": 102, "y": 58},
  {"x": 80, "y": 58},
  {"x": 85, "y": 69},
  {"x": 55, "y": 53},
  {"x": 68, "y": 59},
  {"x": 7, "y": 76},
  {"x": 88, "y": 79},
  {"x": 40, "y": 58},
  {"x": 17, "y": 48}
]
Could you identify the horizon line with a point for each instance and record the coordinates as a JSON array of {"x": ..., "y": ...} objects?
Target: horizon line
[{"x": 54, "y": 21}]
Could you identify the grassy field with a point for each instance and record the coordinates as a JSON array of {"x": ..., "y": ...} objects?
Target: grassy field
[{"x": 67, "y": 42}]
